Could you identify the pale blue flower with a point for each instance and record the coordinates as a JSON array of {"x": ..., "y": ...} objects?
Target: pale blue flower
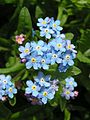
[
  {"x": 67, "y": 93},
  {"x": 46, "y": 95},
  {"x": 34, "y": 61},
  {"x": 43, "y": 80},
  {"x": 43, "y": 22},
  {"x": 25, "y": 50},
  {"x": 47, "y": 32},
  {"x": 39, "y": 47},
  {"x": 5, "y": 80},
  {"x": 70, "y": 83},
  {"x": 68, "y": 59},
  {"x": 58, "y": 44},
  {"x": 32, "y": 88},
  {"x": 10, "y": 90}
]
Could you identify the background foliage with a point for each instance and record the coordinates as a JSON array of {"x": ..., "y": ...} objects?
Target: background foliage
[{"x": 15, "y": 18}]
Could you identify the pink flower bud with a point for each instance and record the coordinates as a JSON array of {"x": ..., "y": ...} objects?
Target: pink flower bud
[
  {"x": 75, "y": 93},
  {"x": 20, "y": 38}
]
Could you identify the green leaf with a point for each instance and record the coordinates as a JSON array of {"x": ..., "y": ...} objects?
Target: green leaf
[
  {"x": 5, "y": 42},
  {"x": 66, "y": 115},
  {"x": 83, "y": 58},
  {"x": 62, "y": 103},
  {"x": 12, "y": 101},
  {"x": 4, "y": 49},
  {"x": 38, "y": 12},
  {"x": 69, "y": 36},
  {"x": 11, "y": 61},
  {"x": 16, "y": 67},
  {"x": 25, "y": 23},
  {"x": 84, "y": 43},
  {"x": 87, "y": 53}
]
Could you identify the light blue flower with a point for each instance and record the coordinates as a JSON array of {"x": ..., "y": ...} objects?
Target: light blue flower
[
  {"x": 62, "y": 68},
  {"x": 5, "y": 80},
  {"x": 56, "y": 25},
  {"x": 43, "y": 80},
  {"x": 47, "y": 32},
  {"x": 70, "y": 46},
  {"x": 32, "y": 88},
  {"x": 70, "y": 83},
  {"x": 25, "y": 50},
  {"x": 46, "y": 95},
  {"x": 39, "y": 47},
  {"x": 54, "y": 56},
  {"x": 43, "y": 22},
  {"x": 44, "y": 62},
  {"x": 67, "y": 93},
  {"x": 10, "y": 90},
  {"x": 33, "y": 61},
  {"x": 68, "y": 59},
  {"x": 58, "y": 44}
]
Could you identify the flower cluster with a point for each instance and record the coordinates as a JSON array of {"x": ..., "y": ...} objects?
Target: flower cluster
[
  {"x": 42, "y": 89},
  {"x": 41, "y": 54},
  {"x": 68, "y": 89},
  {"x": 7, "y": 88},
  {"x": 49, "y": 28}
]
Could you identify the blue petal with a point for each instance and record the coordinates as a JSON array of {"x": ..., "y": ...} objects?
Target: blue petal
[{"x": 44, "y": 100}]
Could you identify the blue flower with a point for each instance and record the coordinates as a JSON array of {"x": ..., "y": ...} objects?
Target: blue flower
[
  {"x": 43, "y": 22},
  {"x": 33, "y": 61},
  {"x": 44, "y": 62},
  {"x": 46, "y": 95},
  {"x": 56, "y": 25},
  {"x": 10, "y": 90},
  {"x": 54, "y": 56},
  {"x": 5, "y": 80},
  {"x": 70, "y": 46},
  {"x": 43, "y": 80},
  {"x": 32, "y": 88},
  {"x": 70, "y": 83},
  {"x": 47, "y": 32},
  {"x": 62, "y": 68},
  {"x": 67, "y": 93},
  {"x": 68, "y": 59},
  {"x": 25, "y": 50},
  {"x": 58, "y": 44},
  {"x": 39, "y": 47}
]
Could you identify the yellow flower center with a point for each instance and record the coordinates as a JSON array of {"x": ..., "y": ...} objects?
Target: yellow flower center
[
  {"x": 69, "y": 47},
  {"x": 67, "y": 92},
  {"x": 10, "y": 89},
  {"x": 38, "y": 47},
  {"x": 33, "y": 87},
  {"x": 54, "y": 56},
  {"x": 67, "y": 57},
  {"x": 19, "y": 40},
  {"x": 71, "y": 83},
  {"x": 33, "y": 60},
  {"x": 54, "y": 25},
  {"x": 45, "y": 93},
  {"x": 44, "y": 22},
  {"x": 26, "y": 50},
  {"x": 59, "y": 45}
]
